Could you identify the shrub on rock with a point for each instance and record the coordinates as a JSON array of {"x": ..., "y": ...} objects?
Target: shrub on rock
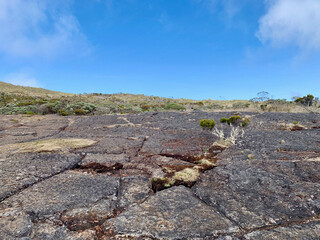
[{"x": 207, "y": 123}]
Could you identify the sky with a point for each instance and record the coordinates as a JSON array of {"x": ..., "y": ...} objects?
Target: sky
[{"x": 196, "y": 49}]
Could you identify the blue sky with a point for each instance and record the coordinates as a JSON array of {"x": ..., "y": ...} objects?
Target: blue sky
[{"x": 198, "y": 49}]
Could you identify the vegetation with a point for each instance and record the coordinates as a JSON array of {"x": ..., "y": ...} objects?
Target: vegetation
[
  {"x": 26, "y": 100},
  {"x": 207, "y": 123},
  {"x": 237, "y": 124},
  {"x": 306, "y": 100},
  {"x": 235, "y": 120}
]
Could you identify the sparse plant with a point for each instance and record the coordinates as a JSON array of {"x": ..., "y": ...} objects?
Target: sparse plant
[{"x": 236, "y": 129}]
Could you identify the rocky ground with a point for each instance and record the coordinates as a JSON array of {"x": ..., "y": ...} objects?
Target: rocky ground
[{"x": 157, "y": 176}]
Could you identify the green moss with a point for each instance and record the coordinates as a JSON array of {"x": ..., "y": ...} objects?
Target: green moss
[{"x": 207, "y": 123}]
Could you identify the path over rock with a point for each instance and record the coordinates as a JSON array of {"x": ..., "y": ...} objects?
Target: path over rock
[{"x": 156, "y": 176}]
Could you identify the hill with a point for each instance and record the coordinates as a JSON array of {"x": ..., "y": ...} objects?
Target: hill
[
  {"x": 31, "y": 91},
  {"x": 29, "y": 100}
]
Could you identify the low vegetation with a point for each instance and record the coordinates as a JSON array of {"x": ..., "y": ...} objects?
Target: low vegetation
[
  {"x": 237, "y": 124},
  {"x": 26, "y": 100}
]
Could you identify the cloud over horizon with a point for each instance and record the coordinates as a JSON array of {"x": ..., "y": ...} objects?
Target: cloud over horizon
[
  {"x": 291, "y": 23},
  {"x": 38, "y": 28}
]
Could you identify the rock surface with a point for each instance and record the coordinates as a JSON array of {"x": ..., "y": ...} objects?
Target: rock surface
[{"x": 265, "y": 186}]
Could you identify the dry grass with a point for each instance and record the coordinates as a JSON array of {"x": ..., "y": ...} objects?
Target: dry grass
[
  {"x": 30, "y": 91},
  {"x": 291, "y": 127},
  {"x": 50, "y": 145}
]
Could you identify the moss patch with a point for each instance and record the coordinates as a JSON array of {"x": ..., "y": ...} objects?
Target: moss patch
[{"x": 185, "y": 175}]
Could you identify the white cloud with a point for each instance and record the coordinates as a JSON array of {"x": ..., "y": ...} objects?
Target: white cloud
[
  {"x": 38, "y": 28},
  {"x": 291, "y": 23},
  {"x": 22, "y": 79}
]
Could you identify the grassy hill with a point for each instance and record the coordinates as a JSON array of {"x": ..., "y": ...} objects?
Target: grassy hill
[
  {"x": 31, "y": 91},
  {"x": 28, "y": 100}
]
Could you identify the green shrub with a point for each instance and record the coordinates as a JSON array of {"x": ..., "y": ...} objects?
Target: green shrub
[
  {"x": 234, "y": 120},
  {"x": 174, "y": 106},
  {"x": 207, "y": 123},
  {"x": 295, "y": 122},
  {"x": 54, "y": 106},
  {"x": 87, "y": 107},
  {"x": 63, "y": 112},
  {"x": 223, "y": 120}
]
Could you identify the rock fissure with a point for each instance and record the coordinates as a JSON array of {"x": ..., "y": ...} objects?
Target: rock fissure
[{"x": 280, "y": 225}]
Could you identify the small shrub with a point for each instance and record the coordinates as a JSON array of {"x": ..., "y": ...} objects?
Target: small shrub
[
  {"x": 223, "y": 120},
  {"x": 63, "y": 112},
  {"x": 234, "y": 120},
  {"x": 53, "y": 106},
  {"x": 80, "y": 111},
  {"x": 207, "y": 123},
  {"x": 245, "y": 122},
  {"x": 295, "y": 122},
  {"x": 145, "y": 107},
  {"x": 263, "y": 107},
  {"x": 87, "y": 107}
]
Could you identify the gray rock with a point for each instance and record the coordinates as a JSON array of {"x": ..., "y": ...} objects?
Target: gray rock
[
  {"x": 15, "y": 226},
  {"x": 22, "y": 170},
  {"x": 174, "y": 213},
  {"x": 309, "y": 231},
  {"x": 62, "y": 192},
  {"x": 133, "y": 190},
  {"x": 254, "y": 197}
]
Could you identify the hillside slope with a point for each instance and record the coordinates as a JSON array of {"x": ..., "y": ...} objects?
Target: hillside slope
[{"x": 31, "y": 91}]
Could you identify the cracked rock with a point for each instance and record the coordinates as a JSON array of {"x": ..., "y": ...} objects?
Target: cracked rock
[{"x": 174, "y": 213}]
